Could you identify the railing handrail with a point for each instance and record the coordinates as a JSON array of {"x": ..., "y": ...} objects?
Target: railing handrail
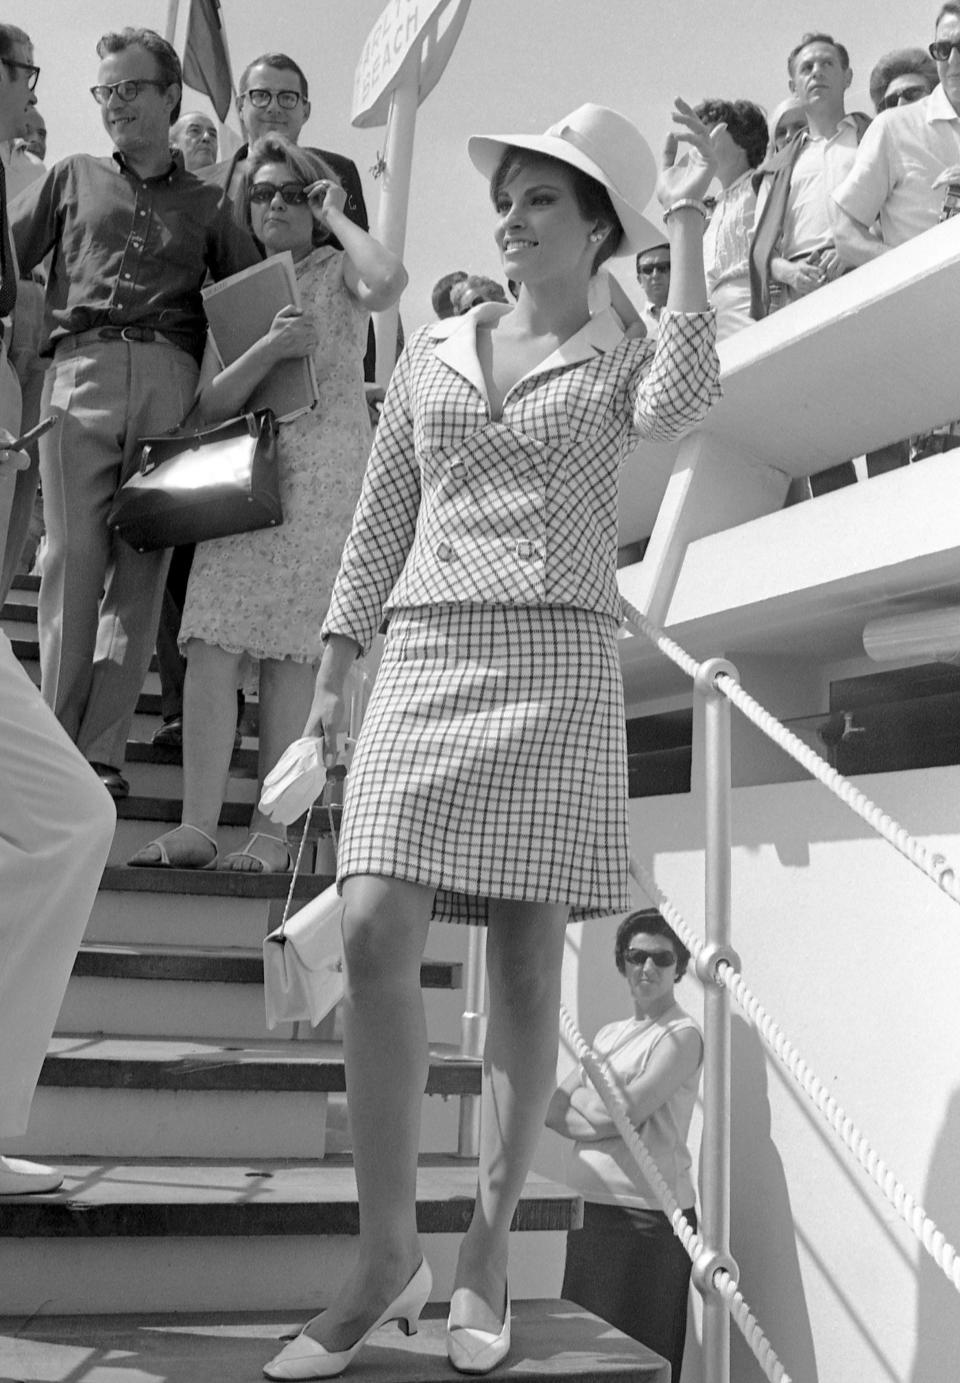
[{"x": 717, "y": 966}]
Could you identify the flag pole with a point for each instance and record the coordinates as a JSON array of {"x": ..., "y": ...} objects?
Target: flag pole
[{"x": 173, "y": 7}]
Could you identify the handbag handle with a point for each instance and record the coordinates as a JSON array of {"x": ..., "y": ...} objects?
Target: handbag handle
[{"x": 297, "y": 863}]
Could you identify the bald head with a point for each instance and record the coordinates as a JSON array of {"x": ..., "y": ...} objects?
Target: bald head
[{"x": 195, "y": 135}]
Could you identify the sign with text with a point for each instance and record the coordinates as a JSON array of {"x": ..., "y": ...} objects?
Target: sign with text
[{"x": 409, "y": 34}]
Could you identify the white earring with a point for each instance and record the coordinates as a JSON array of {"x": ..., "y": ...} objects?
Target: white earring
[{"x": 596, "y": 236}]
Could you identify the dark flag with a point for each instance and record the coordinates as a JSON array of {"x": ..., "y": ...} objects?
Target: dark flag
[{"x": 206, "y": 66}]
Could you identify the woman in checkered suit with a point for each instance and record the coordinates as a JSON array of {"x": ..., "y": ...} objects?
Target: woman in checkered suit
[{"x": 489, "y": 783}]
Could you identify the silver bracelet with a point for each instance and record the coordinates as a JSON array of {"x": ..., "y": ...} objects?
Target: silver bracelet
[{"x": 687, "y": 202}]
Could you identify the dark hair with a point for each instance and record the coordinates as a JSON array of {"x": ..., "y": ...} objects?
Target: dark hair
[
  {"x": 163, "y": 53},
  {"x": 305, "y": 163},
  {"x": 282, "y": 62},
  {"x": 745, "y": 121},
  {"x": 805, "y": 42},
  {"x": 592, "y": 197},
  {"x": 10, "y": 38},
  {"x": 902, "y": 62},
  {"x": 654, "y": 923},
  {"x": 440, "y": 295},
  {"x": 479, "y": 286}
]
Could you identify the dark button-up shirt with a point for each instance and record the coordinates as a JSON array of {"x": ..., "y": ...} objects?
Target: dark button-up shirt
[{"x": 127, "y": 251}]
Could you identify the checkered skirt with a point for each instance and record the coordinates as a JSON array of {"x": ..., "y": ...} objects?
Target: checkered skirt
[{"x": 492, "y": 761}]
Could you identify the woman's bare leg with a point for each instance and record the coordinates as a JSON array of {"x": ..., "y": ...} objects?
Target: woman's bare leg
[
  {"x": 524, "y": 959},
  {"x": 209, "y": 721},
  {"x": 385, "y": 1047},
  {"x": 286, "y": 691}
]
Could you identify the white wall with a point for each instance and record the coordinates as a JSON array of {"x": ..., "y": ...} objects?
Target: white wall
[{"x": 857, "y": 957}]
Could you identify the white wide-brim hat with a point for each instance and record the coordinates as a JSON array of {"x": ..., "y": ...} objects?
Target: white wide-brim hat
[{"x": 607, "y": 147}]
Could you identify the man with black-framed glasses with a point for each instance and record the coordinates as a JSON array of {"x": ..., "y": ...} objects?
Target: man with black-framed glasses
[
  {"x": 895, "y": 189},
  {"x": 274, "y": 99},
  {"x": 132, "y": 239}
]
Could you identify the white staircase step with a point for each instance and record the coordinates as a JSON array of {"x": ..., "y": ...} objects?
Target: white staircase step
[
  {"x": 179, "y": 1235},
  {"x": 552, "y": 1340},
  {"x": 183, "y": 991},
  {"x": 103, "y": 1095}
]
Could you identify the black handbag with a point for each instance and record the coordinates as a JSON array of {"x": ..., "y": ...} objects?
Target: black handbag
[{"x": 190, "y": 487}]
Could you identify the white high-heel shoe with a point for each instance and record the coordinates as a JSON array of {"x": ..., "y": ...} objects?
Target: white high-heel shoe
[
  {"x": 305, "y": 1357},
  {"x": 478, "y": 1351}
]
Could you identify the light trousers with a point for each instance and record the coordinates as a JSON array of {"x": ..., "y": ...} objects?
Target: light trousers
[
  {"x": 99, "y": 599},
  {"x": 56, "y": 826}
]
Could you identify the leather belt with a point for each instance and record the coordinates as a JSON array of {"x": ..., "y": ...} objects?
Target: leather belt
[
  {"x": 131, "y": 333},
  {"x": 128, "y": 333}
]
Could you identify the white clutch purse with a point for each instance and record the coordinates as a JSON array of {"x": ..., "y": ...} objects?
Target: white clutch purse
[
  {"x": 303, "y": 962},
  {"x": 303, "y": 957}
]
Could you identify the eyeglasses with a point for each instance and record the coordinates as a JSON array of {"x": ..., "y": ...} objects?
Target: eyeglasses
[
  {"x": 941, "y": 48},
  {"x": 28, "y": 67},
  {"x": 260, "y": 98},
  {"x": 127, "y": 91},
  {"x": 661, "y": 959},
  {"x": 293, "y": 193},
  {"x": 656, "y": 268},
  {"x": 904, "y": 97}
]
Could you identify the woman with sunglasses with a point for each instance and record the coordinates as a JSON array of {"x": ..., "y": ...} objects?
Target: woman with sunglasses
[
  {"x": 262, "y": 595},
  {"x": 626, "y": 1265}
]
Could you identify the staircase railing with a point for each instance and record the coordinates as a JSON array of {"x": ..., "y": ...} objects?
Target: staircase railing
[{"x": 715, "y": 1273}]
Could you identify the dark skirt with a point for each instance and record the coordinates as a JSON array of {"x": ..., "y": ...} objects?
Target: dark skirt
[{"x": 628, "y": 1267}]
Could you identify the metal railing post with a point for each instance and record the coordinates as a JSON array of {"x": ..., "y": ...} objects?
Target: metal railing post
[
  {"x": 715, "y": 1153},
  {"x": 472, "y": 1025}
]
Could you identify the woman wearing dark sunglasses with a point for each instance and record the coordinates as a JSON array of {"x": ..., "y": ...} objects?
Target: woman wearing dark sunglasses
[
  {"x": 262, "y": 595},
  {"x": 625, "y": 1264}
]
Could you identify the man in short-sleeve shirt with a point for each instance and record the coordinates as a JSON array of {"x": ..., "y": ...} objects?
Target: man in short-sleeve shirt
[{"x": 903, "y": 154}]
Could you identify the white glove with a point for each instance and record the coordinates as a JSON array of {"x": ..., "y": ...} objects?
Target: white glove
[{"x": 295, "y": 781}]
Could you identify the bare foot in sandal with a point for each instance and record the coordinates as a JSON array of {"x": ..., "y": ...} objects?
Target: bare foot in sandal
[
  {"x": 262, "y": 854},
  {"x": 193, "y": 849}
]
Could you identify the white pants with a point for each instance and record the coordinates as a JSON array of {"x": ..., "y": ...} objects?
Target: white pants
[{"x": 56, "y": 826}]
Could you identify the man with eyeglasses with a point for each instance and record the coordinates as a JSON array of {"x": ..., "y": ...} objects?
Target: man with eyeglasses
[
  {"x": 56, "y": 821},
  {"x": 273, "y": 99},
  {"x": 902, "y": 77},
  {"x": 896, "y": 188},
  {"x": 653, "y": 273},
  {"x": 132, "y": 238}
]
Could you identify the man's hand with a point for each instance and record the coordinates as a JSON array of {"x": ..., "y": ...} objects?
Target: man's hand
[{"x": 11, "y": 460}]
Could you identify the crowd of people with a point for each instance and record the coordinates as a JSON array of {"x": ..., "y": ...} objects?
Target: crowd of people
[{"x": 488, "y": 785}]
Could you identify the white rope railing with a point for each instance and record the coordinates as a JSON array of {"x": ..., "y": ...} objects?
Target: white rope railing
[
  {"x": 907, "y": 1207},
  {"x": 697, "y": 1250},
  {"x": 934, "y": 866}
]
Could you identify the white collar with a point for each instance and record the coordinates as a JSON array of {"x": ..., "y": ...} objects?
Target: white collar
[
  {"x": 937, "y": 106},
  {"x": 458, "y": 341}
]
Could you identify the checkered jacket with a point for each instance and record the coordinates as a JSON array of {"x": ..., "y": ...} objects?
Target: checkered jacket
[{"x": 460, "y": 508}]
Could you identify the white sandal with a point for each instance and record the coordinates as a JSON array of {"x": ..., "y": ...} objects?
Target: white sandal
[
  {"x": 248, "y": 853},
  {"x": 165, "y": 862}
]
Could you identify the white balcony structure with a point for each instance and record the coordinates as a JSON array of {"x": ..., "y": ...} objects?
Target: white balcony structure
[{"x": 854, "y": 953}]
